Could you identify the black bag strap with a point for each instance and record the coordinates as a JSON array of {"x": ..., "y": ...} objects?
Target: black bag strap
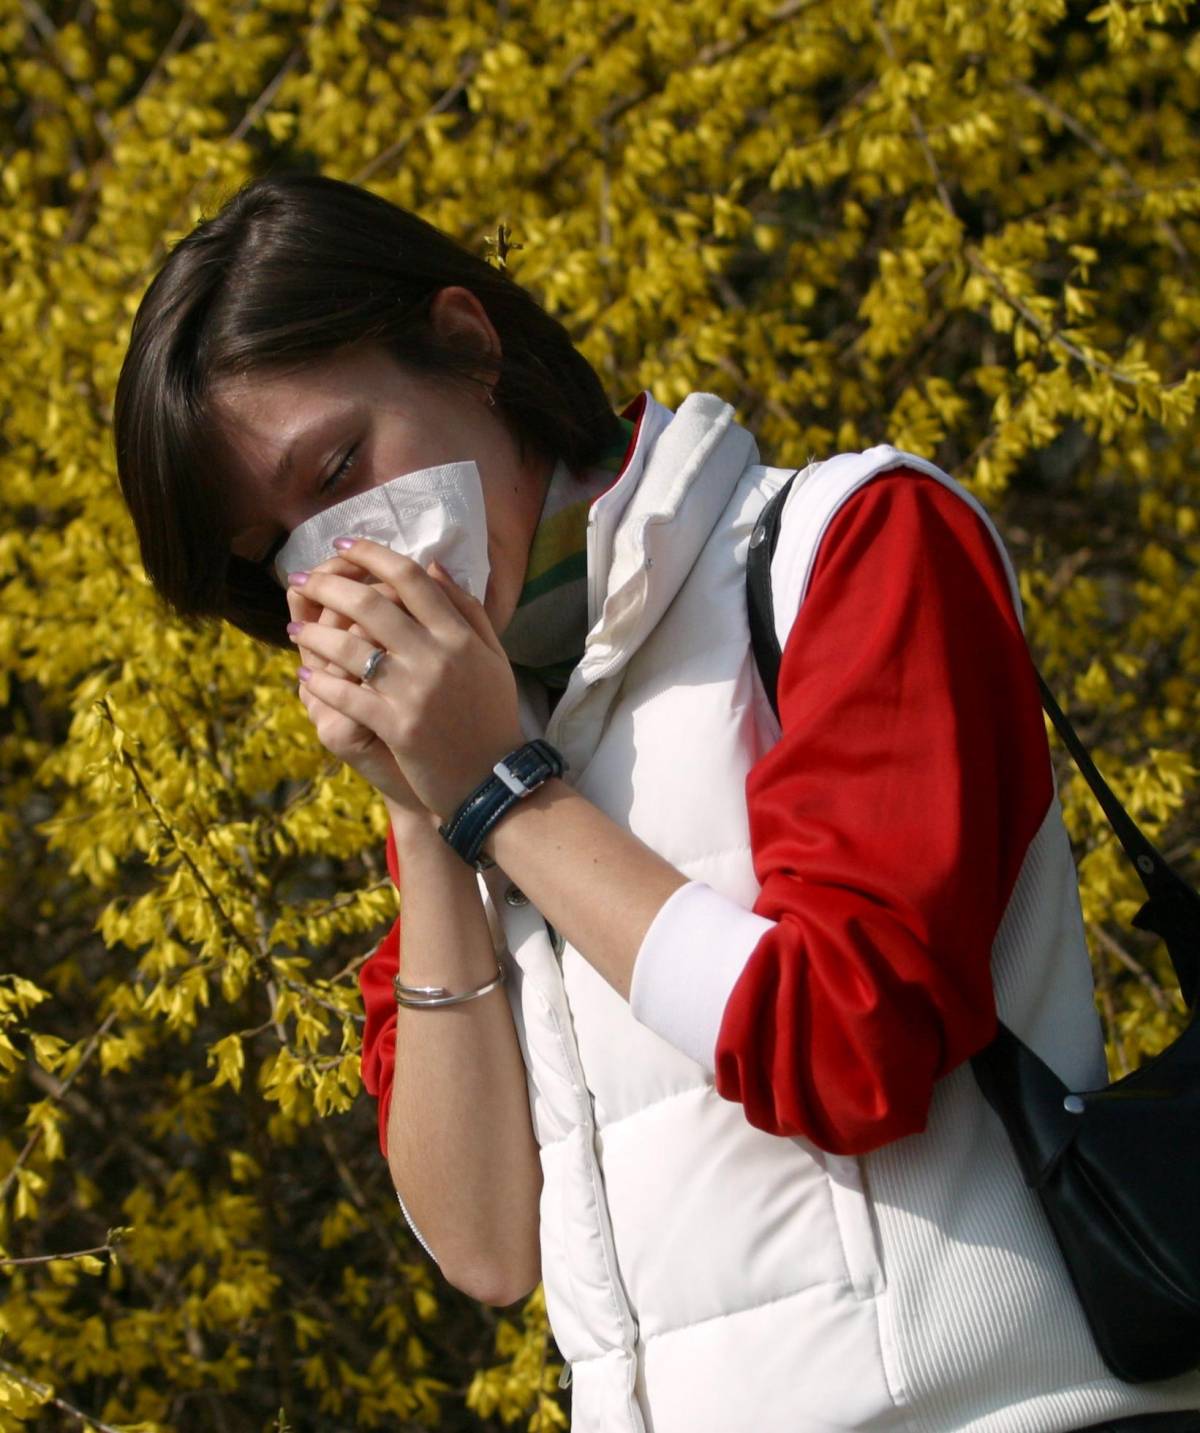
[{"x": 1172, "y": 910}]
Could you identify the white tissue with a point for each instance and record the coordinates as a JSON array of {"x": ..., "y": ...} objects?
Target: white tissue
[{"x": 430, "y": 513}]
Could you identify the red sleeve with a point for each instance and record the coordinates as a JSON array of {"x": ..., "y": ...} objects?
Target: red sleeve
[
  {"x": 888, "y": 824},
  {"x": 379, "y": 1004}
]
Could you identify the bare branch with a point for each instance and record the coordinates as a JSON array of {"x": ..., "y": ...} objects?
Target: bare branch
[{"x": 45, "y": 1392}]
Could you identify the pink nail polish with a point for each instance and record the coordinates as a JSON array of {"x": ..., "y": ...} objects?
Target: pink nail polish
[
  {"x": 293, "y": 628},
  {"x": 297, "y": 579},
  {"x": 342, "y": 543},
  {"x": 304, "y": 673}
]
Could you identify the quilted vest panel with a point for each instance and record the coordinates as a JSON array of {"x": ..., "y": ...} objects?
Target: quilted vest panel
[{"x": 703, "y": 1276}]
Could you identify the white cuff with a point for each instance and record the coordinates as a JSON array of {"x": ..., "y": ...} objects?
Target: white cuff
[{"x": 687, "y": 965}]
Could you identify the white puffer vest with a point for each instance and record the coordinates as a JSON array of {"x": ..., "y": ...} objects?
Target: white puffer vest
[{"x": 701, "y": 1275}]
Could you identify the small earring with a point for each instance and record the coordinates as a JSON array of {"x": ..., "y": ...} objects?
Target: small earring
[{"x": 491, "y": 398}]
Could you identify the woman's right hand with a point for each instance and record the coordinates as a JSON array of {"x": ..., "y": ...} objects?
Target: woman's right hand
[{"x": 342, "y": 737}]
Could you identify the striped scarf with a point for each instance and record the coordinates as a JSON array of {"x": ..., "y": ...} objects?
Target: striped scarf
[{"x": 549, "y": 626}]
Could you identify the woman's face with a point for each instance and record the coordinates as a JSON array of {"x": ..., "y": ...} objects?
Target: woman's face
[{"x": 296, "y": 443}]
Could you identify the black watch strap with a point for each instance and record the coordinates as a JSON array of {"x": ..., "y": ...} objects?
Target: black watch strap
[{"x": 525, "y": 769}]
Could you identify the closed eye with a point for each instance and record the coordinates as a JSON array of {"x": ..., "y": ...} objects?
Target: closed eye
[
  {"x": 340, "y": 471},
  {"x": 328, "y": 486}
]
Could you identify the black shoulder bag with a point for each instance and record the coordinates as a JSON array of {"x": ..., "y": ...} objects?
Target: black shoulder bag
[{"x": 1116, "y": 1169}]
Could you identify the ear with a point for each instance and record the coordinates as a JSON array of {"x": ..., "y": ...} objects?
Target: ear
[{"x": 460, "y": 320}]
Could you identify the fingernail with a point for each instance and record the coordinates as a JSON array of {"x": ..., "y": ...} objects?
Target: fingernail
[
  {"x": 342, "y": 543},
  {"x": 304, "y": 673},
  {"x": 293, "y": 628},
  {"x": 297, "y": 579}
]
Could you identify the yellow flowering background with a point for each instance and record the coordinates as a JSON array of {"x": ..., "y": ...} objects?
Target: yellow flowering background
[{"x": 970, "y": 228}]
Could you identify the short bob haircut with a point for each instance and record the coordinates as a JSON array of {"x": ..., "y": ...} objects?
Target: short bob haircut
[{"x": 293, "y": 267}]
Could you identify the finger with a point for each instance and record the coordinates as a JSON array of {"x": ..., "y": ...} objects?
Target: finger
[
  {"x": 360, "y": 704},
  {"x": 334, "y": 731},
  {"x": 310, "y": 656},
  {"x": 423, "y": 598},
  {"x": 385, "y": 590},
  {"x": 330, "y": 621},
  {"x": 337, "y": 651},
  {"x": 302, "y": 608},
  {"x": 300, "y": 628},
  {"x": 319, "y": 712},
  {"x": 326, "y": 616},
  {"x": 470, "y": 607},
  {"x": 384, "y": 622}
]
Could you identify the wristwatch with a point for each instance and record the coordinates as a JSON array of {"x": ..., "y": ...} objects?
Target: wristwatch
[{"x": 510, "y": 781}]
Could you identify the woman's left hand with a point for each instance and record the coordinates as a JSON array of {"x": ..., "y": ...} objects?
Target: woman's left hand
[{"x": 444, "y": 698}]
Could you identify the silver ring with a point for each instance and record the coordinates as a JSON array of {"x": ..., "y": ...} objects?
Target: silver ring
[{"x": 371, "y": 665}]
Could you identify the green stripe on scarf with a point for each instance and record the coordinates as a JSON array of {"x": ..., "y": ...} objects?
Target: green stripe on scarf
[
  {"x": 549, "y": 626},
  {"x": 560, "y": 539},
  {"x": 570, "y": 568}
]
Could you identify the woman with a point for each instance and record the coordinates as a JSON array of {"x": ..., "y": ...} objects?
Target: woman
[{"x": 698, "y": 1063}]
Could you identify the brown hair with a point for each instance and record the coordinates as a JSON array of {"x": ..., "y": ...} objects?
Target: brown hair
[{"x": 291, "y": 268}]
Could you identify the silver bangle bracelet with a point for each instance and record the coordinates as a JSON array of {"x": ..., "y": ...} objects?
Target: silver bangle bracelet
[{"x": 417, "y": 996}]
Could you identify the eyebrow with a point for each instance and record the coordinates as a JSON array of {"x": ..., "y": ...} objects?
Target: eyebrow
[{"x": 310, "y": 435}]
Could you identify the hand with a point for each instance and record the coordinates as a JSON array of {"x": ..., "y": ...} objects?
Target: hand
[
  {"x": 444, "y": 700},
  {"x": 340, "y": 735}
]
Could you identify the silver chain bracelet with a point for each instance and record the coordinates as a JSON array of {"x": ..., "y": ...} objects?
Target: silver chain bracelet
[{"x": 417, "y": 996}]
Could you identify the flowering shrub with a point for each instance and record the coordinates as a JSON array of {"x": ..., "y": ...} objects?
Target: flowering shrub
[{"x": 971, "y": 230}]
